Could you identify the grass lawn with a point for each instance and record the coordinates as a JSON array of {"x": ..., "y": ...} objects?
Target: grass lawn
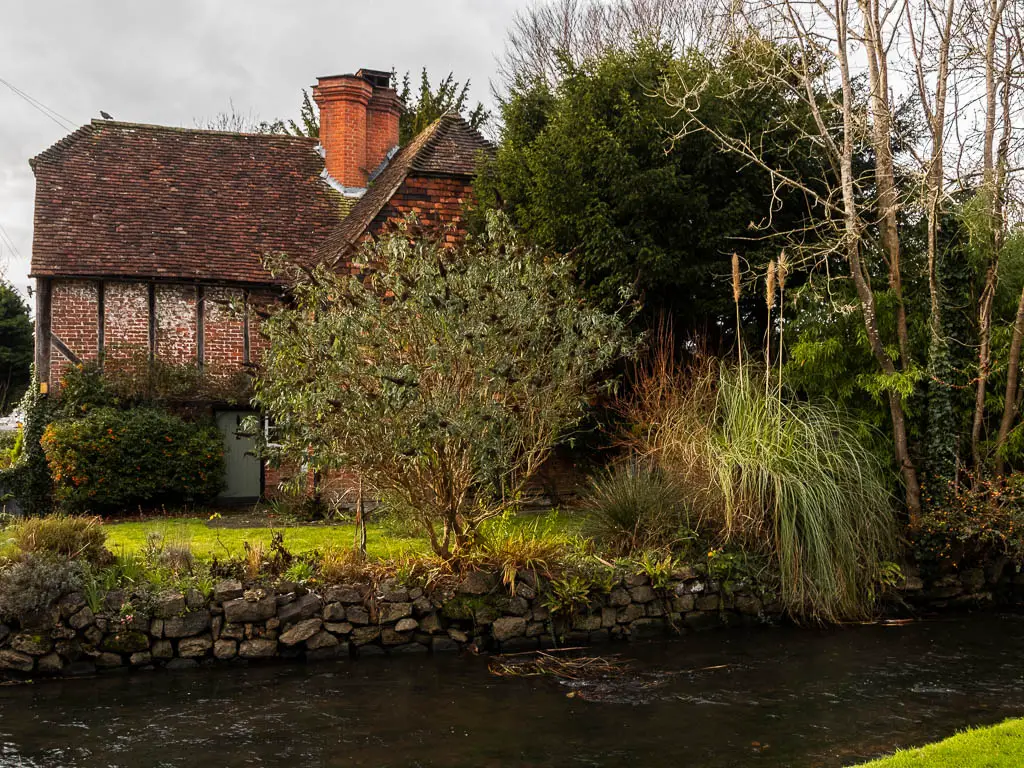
[
  {"x": 999, "y": 746},
  {"x": 209, "y": 538}
]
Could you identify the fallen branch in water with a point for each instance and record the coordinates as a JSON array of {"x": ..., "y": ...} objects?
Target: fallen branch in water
[{"x": 544, "y": 663}]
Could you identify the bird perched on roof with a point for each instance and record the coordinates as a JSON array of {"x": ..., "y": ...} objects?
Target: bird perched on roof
[{"x": 106, "y": 116}]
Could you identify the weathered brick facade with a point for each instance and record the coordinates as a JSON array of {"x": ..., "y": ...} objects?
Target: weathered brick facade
[{"x": 149, "y": 241}]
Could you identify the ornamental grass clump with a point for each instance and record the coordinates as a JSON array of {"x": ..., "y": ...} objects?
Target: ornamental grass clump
[
  {"x": 514, "y": 546},
  {"x": 62, "y": 536},
  {"x": 443, "y": 378},
  {"x": 787, "y": 479},
  {"x": 795, "y": 476},
  {"x": 634, "y": 508}
]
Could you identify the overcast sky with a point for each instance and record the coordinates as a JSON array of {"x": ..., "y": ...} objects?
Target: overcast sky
[{"x": 175, "y": 62}]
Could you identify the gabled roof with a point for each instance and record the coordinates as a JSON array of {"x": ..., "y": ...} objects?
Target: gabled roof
[
  {"x": 127, "y": 200},
  {"x": 447, "y": 147}
]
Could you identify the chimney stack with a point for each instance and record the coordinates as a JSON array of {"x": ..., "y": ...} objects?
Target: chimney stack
[{"x": 358, "y": 124}]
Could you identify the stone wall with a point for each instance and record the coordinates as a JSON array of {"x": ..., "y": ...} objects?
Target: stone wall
[
  {"x": 236, "y": 624},
  {"x": 999, "y": 585}
]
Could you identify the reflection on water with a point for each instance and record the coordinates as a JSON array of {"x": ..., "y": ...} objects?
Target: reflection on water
[{"x": 774, "y": 697}]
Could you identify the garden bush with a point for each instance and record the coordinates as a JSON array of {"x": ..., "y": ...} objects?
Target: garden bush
[
  {"x": 111, "y": 460},
  {"x": 27, "y": 479},
  {"x": 444, "y": 379},
  {"x": 36, "y": 581},
  {"x": 972, "y": 523}
]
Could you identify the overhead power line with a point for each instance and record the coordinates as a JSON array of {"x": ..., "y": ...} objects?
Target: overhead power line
[
  {"x": 6, "y": 239},
  {"x": 55, "y": 116}
]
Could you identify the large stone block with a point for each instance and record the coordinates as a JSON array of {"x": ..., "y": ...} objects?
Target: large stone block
[
  {"x": 18, "y": 662},
  {"x": 195, "y": 647},
  {"x": 357, "y": 614},
  {"x": 303, "y": 608},
  {"x": 364, "y": 635},
  {"x": 394, "y": 611},
  {"x": 642, "y": 594},
  {"x": 228, "y": 589},
  {"x": 301, "y": 632},
  {"x": 31, "y": 644},
  {"x": 162, "y": 649},
  {"x": 321, "y": 640},
  {"x": 81, "y": 619},
  {"x": 188, "y": 625},
  {"x": 508, "y": 627},
  {"x": 126, "y": 642},
  {"x": 258, "y": 648},
  {"x": 345, "y": 594},
  {"x": 169, "y": 604},
  {"x": 619, "y": 598},
  {"x": 242, "y": 611},
  {"x": 225, "y": 649}
]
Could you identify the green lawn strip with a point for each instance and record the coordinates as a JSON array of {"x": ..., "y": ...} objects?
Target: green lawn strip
[
  {"x": 207, "y": 541},
  {"x": 998, "y": 746}
]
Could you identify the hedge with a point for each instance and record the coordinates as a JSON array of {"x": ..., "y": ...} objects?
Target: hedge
[{"x": 114, "y": 460}]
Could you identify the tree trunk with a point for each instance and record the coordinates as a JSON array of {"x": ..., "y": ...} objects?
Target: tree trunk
[
  {"x": 861, "y": 280},
  {"x": 1012, "y": 378},
  {"x": 984, "y": 363},
  {"x": 360, "y": 542}
]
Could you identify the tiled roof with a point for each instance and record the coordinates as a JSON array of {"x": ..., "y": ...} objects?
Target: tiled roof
[
  {"x": 125, "y": 200},
  {"x": 447, "y": 147}
]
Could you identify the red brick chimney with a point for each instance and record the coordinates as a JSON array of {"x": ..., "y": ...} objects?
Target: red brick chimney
[{"x": 358, "y": 124}]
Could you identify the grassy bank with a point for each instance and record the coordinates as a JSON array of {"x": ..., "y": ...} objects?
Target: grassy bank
[{"x": 999, "y": 746}]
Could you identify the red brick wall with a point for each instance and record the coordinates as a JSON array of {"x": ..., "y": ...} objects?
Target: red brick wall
[
  {"x": 435, "y": 201},
  {"x": 260, "y": 302},
  {"x": 74, "y": 319},
  {"x": 176, "y": 324}
]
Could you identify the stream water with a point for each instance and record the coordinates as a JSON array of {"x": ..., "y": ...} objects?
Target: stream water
[{"x": 767, "y": 697}]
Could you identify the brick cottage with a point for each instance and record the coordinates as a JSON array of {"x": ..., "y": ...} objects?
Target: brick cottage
[{"x": 149, "y": 239}]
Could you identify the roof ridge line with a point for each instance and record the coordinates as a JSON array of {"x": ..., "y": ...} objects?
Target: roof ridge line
[{"x": 187, "y": 129}]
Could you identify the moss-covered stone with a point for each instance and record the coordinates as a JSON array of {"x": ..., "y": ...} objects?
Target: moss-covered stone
[{"x": 131, "y": 641}]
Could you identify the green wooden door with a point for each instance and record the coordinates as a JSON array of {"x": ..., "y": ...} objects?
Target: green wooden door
[{"x": 242, "y": 482}]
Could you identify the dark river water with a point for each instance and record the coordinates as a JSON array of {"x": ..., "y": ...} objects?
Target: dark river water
[{"x": 770, "y": 697}]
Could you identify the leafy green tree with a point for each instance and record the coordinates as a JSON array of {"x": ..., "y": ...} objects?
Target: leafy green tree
[
  {"x": 16, "y": 347},
  {"x": 443, "y": 379},
  {"x": 584, "y": 167}
]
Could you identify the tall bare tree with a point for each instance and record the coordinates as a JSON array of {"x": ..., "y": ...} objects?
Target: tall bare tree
[{"x": 584, "y": 29}]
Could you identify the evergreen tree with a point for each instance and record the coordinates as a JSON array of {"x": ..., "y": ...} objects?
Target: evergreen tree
[{"x": 16, "y": 347}]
